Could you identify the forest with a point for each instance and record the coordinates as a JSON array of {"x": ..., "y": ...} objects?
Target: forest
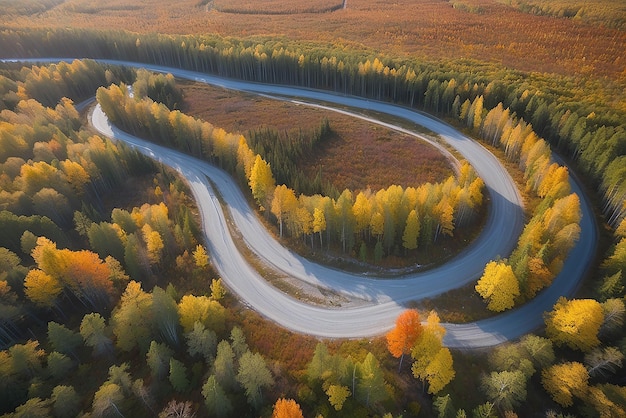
[{"x": 104, "y": 285}]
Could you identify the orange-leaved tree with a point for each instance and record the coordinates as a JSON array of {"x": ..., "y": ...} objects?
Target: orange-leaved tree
[
  {"x": 402, "y": 338},
  {"x": 287, "y": 408}
]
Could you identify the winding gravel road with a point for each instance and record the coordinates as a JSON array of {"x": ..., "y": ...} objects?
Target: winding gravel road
[{"x": 384, "y": 299}]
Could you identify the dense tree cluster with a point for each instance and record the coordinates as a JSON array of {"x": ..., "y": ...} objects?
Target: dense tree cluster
[
  {"x": 48, "y": 84},
  {"x": 282, "y": 150},
  {"x": 136, "y": 325},
  {"x": 345, "y": 381},
  {"x": 554, "y": 227},
  {"x": 54, "y": 179},
  {"x": 591, "y": 327},
  {"x": 159, "y": 87}
]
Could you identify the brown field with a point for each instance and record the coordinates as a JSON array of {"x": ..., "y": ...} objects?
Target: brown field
[
  {"x": 432, "y": 29},
  {"x": 359, "y": 154}
]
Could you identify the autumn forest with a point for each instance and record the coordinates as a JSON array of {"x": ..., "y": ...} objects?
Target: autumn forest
[{"x": 112, "y": 303}]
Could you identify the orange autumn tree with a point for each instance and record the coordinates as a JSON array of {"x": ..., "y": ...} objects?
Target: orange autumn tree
[
  {"x": 402, "y": 338},
  {"x": 287, "y": 408},
  {"x": 85, "y": 274}
]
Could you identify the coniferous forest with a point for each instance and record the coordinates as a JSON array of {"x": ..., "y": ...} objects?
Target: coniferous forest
[{"x": 110, "y": 304}]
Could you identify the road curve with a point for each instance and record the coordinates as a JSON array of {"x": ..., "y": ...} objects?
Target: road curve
[{"x": 385, "y": 298}]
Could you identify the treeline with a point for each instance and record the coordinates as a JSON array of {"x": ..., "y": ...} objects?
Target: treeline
[
  {"x": 554, "y": 227},
  {"x": 589, "y": 127},
  {"x": 390, "y": 219},
  {"x": 48, "y": 84}
]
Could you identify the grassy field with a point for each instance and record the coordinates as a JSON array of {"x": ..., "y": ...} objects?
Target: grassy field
[{"x": 359, "y": 154}]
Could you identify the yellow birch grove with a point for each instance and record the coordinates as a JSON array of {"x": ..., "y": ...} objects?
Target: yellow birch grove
[{"x": 554, "y": 228}]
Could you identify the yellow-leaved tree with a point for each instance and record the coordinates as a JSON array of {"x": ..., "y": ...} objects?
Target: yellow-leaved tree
[
  {"x": 192, "y": 309},
  {"x": 283, "y": 203},
  {"x": 362, "y": 210},
  {"x": 200, "y": 257},
  {"x": 261, "y": 182},
  {"x": 498, "y": 285},
  {"x": 154, "y": 244},
  {"x": 42, "y": 288},
  {"x": 411, "y": 231},
  {"x": 337, "y": 395},
  {"x": 564, "y": 381},
  {"x": 440, "y": 371},
  {"x": 433, "y": 363},
  {"x": 575, "y": 323}
]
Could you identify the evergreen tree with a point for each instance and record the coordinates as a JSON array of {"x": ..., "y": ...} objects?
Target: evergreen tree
[{"x": 215, "y": 399}]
